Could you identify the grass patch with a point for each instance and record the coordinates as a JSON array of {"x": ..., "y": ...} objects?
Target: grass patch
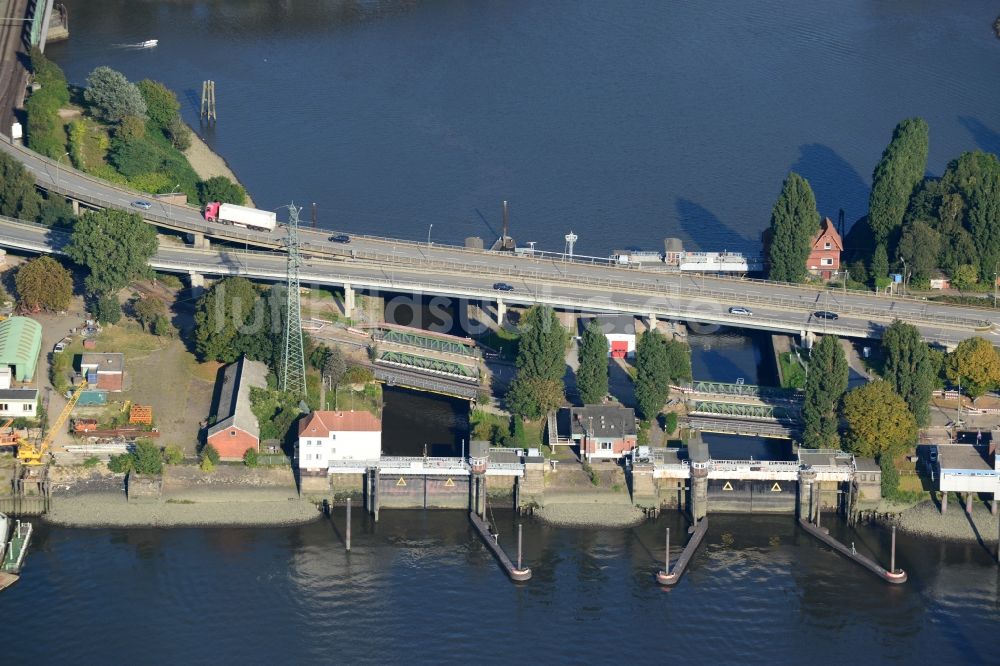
[
  {"x": 793, "y": 375},
  {"x": 180, "y": 501},
  {"x": 169, "y": 280},
  {"x": 491, "y": 427},
  {"x": 503, "y": 342},
  {"x": 129, "y": 338},
  {"x": 347, "y": 399},
  {"x": 533, "y": 431}
]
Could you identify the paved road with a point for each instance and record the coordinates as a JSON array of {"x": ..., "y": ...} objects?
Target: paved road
[
  {"x": 587, "y": 287},
  {"x": 13, "y": 75},
  {"x": 640, "y": 298}
]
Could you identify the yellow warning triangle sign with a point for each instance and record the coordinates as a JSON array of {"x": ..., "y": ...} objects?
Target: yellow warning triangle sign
[
  {"x": 728, "y": 486},
  {"x": 775, "y": 488},
  {"x": 401, "y": 482},
  {"x": 449, "y": 483}
]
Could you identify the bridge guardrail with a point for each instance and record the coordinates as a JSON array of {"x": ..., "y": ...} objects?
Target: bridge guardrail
[
  {"x": 721, "y": 296},
  {"x": 269, "y": 240}
]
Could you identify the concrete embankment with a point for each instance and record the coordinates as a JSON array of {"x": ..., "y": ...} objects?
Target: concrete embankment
[{"x": 230, "y": 496}]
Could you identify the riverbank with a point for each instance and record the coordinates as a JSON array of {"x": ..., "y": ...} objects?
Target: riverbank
[
  {"x": 208, "y": 164},
  {"x": 589, "y": 509},
  {"x": 925, "y": 519},
  {"x": 231, "y": 496},
  {"x": 231, "y": 509}
]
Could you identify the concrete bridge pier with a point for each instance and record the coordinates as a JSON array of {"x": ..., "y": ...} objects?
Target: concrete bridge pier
[
  {"x": 501, "y": 311},
  {"x": 199, "y": 240},
  {"x": 651, "y": 322},
  {"x": 197, "y": 281},
  {"x": 76, "y": 206},
  {"x": 375, "y": 493},
  {"x": 808, "y": 339},
  {"x": 944, "y": 501},
  {"x": 806, "y": 480},
  {"x": 699, "y": 491},
  {"x": 348, "y": 300},
  {"x": 968, "y": 503}
]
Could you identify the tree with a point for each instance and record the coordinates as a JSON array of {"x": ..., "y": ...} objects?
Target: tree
[
  {"x": 148, "y": 459},
  {"x": 112, "y": 97},
  {"x": 172, "y": 455},
  {"x": 114, "y": 246},
  {"x": 161, "y": 102},
  {"x": 148, "y": 310},
  {"x": 541, "y": 364},
  {"x": 131, "y": 128},
  {"x": 221, "y": 315},
  {"x": 826, "y": 383},
  {"x": 210, "y": 453},
  {"x": 179, "y": 134},
  {"x": 964, "y": 277},
  {"x": 890, "y": 476},
  {"x": 107, "y": 309},
  {"x": 920, "y": 247},
  {"x": 18, "y": 197},
  {"x": 592, "y": 374},
  {"x": 250, "y": 458},
  {"x": 897, "y": 174},
  {"x": 678, "y": 361},
  {"x": 220, "y": 188},
  {"x": 794, "y": 222},
  {"x": 878, "y": 421},
  {"x": 880, "y": 267},
  {"x": 908, "y": 368},
  {"x": 334, "y": 366},
  {"x": 43, "y": 284},
  {"x": 976, "y": 364},
  {"x": 975, "y": 178},
  {"x": 652, "y": 380}
]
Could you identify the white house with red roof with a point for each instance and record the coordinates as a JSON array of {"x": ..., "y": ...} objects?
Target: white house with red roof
[{"x": 326, "y": 437}]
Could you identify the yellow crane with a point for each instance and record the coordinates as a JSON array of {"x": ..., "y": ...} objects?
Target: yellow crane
[{"x": 29, "y": 454}]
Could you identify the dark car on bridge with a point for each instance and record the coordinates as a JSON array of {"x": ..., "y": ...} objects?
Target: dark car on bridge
[
  {"x": 340, "y": 238},
  {"x": 502, "y": 286},
  {"x": 826, "y": 314}
]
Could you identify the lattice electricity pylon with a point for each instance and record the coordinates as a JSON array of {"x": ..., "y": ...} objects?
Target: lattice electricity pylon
[{"x": 293, "y": 361}]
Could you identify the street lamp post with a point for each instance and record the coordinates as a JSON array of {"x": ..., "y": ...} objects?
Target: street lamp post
[
  {"x": 429, "y": 234},
  {"x": 57, "y": 168},
  {"x": 904, "y": 275}
]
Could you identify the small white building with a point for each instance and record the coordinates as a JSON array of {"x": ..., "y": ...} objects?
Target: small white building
[
  {"x": 620, "y": 332},
  {"x": 16, "y": 402},
  {"x": 966, "y": 469},
  {"x": 331, "y": 437}
]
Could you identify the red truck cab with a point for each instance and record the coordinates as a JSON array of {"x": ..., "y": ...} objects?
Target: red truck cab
[{"x": 212, "y": 211}]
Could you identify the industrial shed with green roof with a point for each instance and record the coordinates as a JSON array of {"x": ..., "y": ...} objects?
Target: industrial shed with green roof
[{"x": 20, "y": 344}]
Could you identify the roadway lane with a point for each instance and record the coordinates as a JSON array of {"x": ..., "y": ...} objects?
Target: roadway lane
[
  {"x": 568, "y": 294},
  {"x": 761, "y": 296}
]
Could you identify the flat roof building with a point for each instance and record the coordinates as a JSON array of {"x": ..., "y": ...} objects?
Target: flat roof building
[{"x": 104, "y": 371}]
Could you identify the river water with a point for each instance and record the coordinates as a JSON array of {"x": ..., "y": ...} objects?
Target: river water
[
  {"x": 653, "y": 119},
  {"x": 624, "y": 121}
]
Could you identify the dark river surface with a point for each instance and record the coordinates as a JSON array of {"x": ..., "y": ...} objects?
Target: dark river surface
[{"x": 656, "y": 119}]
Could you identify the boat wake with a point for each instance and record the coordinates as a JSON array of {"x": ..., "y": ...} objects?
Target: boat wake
[{"x": 148, "y": 44}]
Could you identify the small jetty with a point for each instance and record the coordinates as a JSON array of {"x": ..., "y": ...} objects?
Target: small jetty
[
  {"x": 890, "y": 575},
  {"x": 670, "y": 576},
  {"x": 17, "y": 548},
  {"x": 516, "y": 573}
]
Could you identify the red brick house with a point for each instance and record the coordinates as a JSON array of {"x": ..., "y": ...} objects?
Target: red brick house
[
  {"x": 236, "y": 428},
  {"x": 824, "y": 257},
  {"x": 603, "y": 432}
]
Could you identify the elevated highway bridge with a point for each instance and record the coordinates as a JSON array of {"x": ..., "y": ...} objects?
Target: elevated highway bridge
[{"x": 400, "y": 266}]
